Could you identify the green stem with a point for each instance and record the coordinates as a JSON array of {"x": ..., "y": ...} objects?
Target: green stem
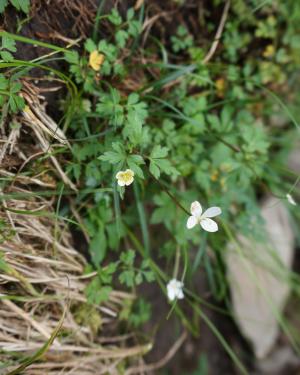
[{"x": 143, "y": 220}]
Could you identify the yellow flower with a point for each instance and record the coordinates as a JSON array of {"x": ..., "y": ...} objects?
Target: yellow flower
[
  {"x": 269, "y": 51},
  {"x": 125, "y": 177},
  {"x": 214, "y": 176},
  {"x": 26, "y": 109},
  {"x": 220, "y": 87},
  {"x": 96, "y": 60}
]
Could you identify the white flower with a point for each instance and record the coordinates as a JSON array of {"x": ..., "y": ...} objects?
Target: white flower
[
  {"x": 203, "y": 219},
  {"x": 291, "y": 200},
  {"x": 174, "y": 290},
  {"x": 125, "y": 177}
]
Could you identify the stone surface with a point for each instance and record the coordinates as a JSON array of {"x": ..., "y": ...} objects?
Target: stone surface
[{"x": 258, "y": 278}]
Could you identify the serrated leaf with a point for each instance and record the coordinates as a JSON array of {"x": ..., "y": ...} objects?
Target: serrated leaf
[
  {"x": 21, "y": 5},
  {"x": 72, "y": 57},
  {"x": 127, "y": 278},
  {"x": 90, "y": 45},
  {"x": 20, "y": 103},
  {"x": 114, "y": 17},
  {"x": 159, "y": 152},
  {"x": 127, "y": 257},
  {"x": 130, "y": 14},
  {"x": 15, "y": 87},
  {"x": 154, "y": 169},
  {"x": 135, "y": 168},
  {"x": 112, "y": 157},
  {"x": 8, "y": 43},
  {"x": 121, "y": 38},
  {"x": 135, "y": 28},
  {"x": 133, "y": 99},
  {"x": 6, "y": 56}
]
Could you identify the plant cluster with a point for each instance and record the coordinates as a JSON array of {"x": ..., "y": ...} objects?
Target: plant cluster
[{"x": 153, "y": 129}]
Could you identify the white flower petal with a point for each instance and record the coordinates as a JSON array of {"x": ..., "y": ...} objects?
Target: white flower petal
[
  {"x": 129, "y": 182},
  {"x": 130, "y": 172},
  {"x": 191, "y": 222},
  {"x": 212, "y": 212},
  {"x": 174, "y": 290},
  {"x": 291, "y": 199},
  {"x": 121, "y": 182},
  {"x": 171, "y": 294},
  {"x": 209, "y": 225},
  {"x": 180, "y": 294},
  {"x": 119, "y": 175},
  {"x": 196, "y": 209}
]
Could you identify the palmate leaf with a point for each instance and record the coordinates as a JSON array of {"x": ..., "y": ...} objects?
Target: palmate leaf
[
  {"x": 159, "y": 164},
  {"x": 118, "y": 154}
]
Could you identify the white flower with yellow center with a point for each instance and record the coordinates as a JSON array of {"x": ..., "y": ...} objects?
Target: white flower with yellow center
[
  {"x": 174, "y": 290},
  {"x": 291, "y": 199},
  {"x": 125, "y": 177},
  {"x": 203, "y": 219}
]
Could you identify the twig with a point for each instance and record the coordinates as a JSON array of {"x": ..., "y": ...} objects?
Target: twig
[
  {"x": 161, "y": 363},
  {"x": 218, "y": 34}
]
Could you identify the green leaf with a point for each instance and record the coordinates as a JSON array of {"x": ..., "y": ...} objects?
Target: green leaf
[
  {"x": 127, "y": 278},
  {"x": 3, "y": 82},
  {"x": 8, "y": 43},
  {"x": 72, "y": 57},
  {"x": 114, "y": 17},
  {"x": 110, "y": 108},
  {"x": 96, "y": 293},
  {"x": 136, "y": 169},
  {"x": 15, "y": 87},
  {"x": 6, "y": 56},
  {"x": 130, "y": 14},
  {"x": 159, "y": 152},
  {"x": 20, "y": 103},
  {"x": 90, "y": 45},
  {"x": 133, "y": 162},
  {"x": 21, "y": 5},
  {"x": 135, "y": 28},
  {"x": 154, "y": 169},
  {"x": 98, "y": 246},
  {"x": 127, "y": 257},
  {"x": 116, "y": 156},
  {"x": 3, "y": 5},
  {"x": 109, "y": 50},
  {"x": 121, "y": 38},
  {"x": 159, "y": 164}
]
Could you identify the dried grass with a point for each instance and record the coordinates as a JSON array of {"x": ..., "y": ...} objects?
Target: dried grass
[{"x": 41, "y": 273}]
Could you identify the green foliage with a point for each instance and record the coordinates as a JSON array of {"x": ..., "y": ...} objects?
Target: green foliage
[
  {"x": 188, "y": 130},
  {"x": 182, "y": 40},
  {"x": 9, "y": 89},
  {"x": 22, "y": 5},
  {"x": 130, "y": 276},
  {"x": 194, "y": 132},
  {"x": 8, "y": 45},
  {"x": 98, "y": 290}
]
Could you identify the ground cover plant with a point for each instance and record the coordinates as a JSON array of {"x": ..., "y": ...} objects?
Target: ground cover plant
[{"x": 138, "y": 143}]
